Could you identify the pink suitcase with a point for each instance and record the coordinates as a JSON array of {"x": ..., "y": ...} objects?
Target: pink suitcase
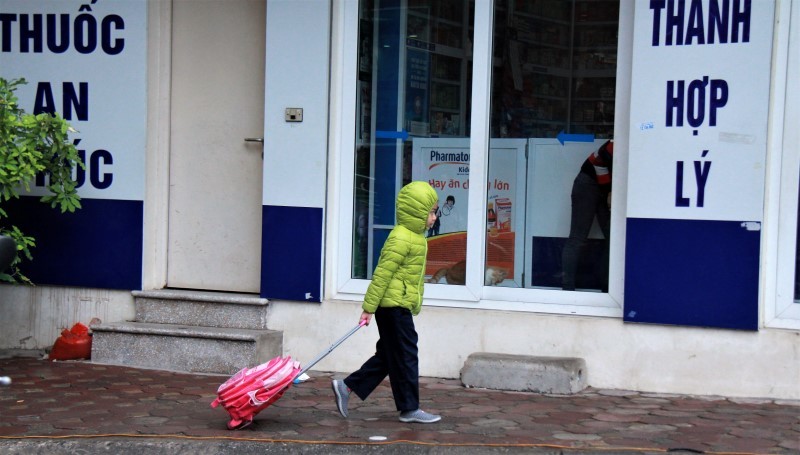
[{"x": 251, "y": 390}]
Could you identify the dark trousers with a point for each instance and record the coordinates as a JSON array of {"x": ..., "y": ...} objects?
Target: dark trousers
[
  {"x": 588, "y": 201},
  {"x": 395, "y": 356}
]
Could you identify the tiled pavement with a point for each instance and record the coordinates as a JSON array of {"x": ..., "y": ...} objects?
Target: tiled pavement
[{"x": 72, "y": 401}]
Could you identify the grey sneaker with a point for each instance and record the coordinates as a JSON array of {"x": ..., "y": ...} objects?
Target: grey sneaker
[
  {"x": 342, "y": 396},
  {"x": 419, "y": 416}
]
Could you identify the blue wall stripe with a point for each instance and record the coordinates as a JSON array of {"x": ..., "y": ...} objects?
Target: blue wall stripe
[
  {"x": 692, "y": 272},
  {"x": 291, "y": 253},
  {"x": 97, "y": 246}
]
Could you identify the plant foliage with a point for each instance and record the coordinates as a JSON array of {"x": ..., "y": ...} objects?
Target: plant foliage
[{"x": 31, "y": 145}]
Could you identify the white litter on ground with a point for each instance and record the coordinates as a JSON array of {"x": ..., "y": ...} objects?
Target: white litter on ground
[{"x": 302, "y": 378}]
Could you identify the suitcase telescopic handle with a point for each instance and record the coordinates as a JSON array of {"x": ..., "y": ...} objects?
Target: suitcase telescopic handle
[{"x": 331, "y": 348}]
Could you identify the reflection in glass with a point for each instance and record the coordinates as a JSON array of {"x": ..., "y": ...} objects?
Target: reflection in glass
[
  {"x": 552, "y": 112},
  {"x": 413, "y": 114}
]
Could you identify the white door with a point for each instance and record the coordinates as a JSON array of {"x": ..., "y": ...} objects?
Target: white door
[{"x": 215, "y": 176}]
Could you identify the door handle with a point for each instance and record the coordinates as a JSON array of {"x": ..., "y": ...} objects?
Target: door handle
[{"x": 256, "y": 139}]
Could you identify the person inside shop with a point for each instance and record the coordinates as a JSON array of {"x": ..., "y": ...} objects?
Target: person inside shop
[{"x": 591, "y": 197}]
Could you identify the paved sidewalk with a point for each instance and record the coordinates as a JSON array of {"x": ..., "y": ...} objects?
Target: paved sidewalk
[{"x": 67, "y": 407}]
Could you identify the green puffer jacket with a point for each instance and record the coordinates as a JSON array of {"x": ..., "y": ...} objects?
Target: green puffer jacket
[{"x": 399, "y": 277}]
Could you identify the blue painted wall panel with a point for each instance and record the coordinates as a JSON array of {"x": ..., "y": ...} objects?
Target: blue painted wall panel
[
  {"x": 291, "y": 256},
  {"x": 692, "y": 272},
  {"x": 97, "y": 246}
]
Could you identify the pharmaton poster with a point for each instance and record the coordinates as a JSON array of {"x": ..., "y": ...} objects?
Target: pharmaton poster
[
  {"x": 445, "y": 163},
  {"x": 699, "y": 111}
]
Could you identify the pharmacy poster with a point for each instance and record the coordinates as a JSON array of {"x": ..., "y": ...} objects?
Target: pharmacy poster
[
  {"x": 699, "y": 99},
  {"x": 87, "y": 62},
  {"x": 445, "y": 163}
]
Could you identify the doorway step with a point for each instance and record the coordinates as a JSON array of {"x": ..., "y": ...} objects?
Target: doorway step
[{"x": 190, "y": 331}]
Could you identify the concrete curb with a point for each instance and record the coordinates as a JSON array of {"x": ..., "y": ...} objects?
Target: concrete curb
[{"x": 149, "y": 446}]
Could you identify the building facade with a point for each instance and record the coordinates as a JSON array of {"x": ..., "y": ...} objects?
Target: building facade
[{"x": 256, "y": 147}]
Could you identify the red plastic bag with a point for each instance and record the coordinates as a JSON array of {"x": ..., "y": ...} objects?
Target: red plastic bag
[{"x": 73, "y": 344}]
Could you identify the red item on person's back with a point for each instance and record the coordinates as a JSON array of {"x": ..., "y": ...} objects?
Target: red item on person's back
[{"x": 73, "y": 344}]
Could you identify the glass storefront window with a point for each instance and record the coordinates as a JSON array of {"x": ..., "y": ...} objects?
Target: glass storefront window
[
  {"x": 550, "y": 166},
  {"x": 552, "y": 106},
  {"x": 790, "y": 160},
  {"x": 413, "y": 113},
  {"x": 550, "y": 101},
  {"x": 783, "y": 301}
]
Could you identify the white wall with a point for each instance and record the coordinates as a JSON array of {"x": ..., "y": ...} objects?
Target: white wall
[
  {"x": 618, "y": 355},
  {"x": 34, "y": 316},
  {"x": 295, "y": 152}
]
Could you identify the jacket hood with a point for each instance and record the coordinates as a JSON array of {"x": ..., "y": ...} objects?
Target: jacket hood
[{"x": 414, "y": 202}]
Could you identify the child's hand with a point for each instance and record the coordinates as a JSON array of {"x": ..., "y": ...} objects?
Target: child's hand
[{"x": 366, "y": 317}]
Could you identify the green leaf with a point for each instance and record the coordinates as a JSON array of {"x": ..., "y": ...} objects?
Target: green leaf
[{"x": 30, "y": 145}]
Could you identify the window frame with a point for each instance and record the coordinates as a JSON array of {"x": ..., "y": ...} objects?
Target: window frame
[
  {"x": 473, "y": 294},
  {"x": 778, "y": 262}
]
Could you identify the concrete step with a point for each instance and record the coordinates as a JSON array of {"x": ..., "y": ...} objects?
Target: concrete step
[
  {"x": 204, "y": 309},
  {"x": 183, "y": 347},
  {"x": 523, "y": 373}
]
